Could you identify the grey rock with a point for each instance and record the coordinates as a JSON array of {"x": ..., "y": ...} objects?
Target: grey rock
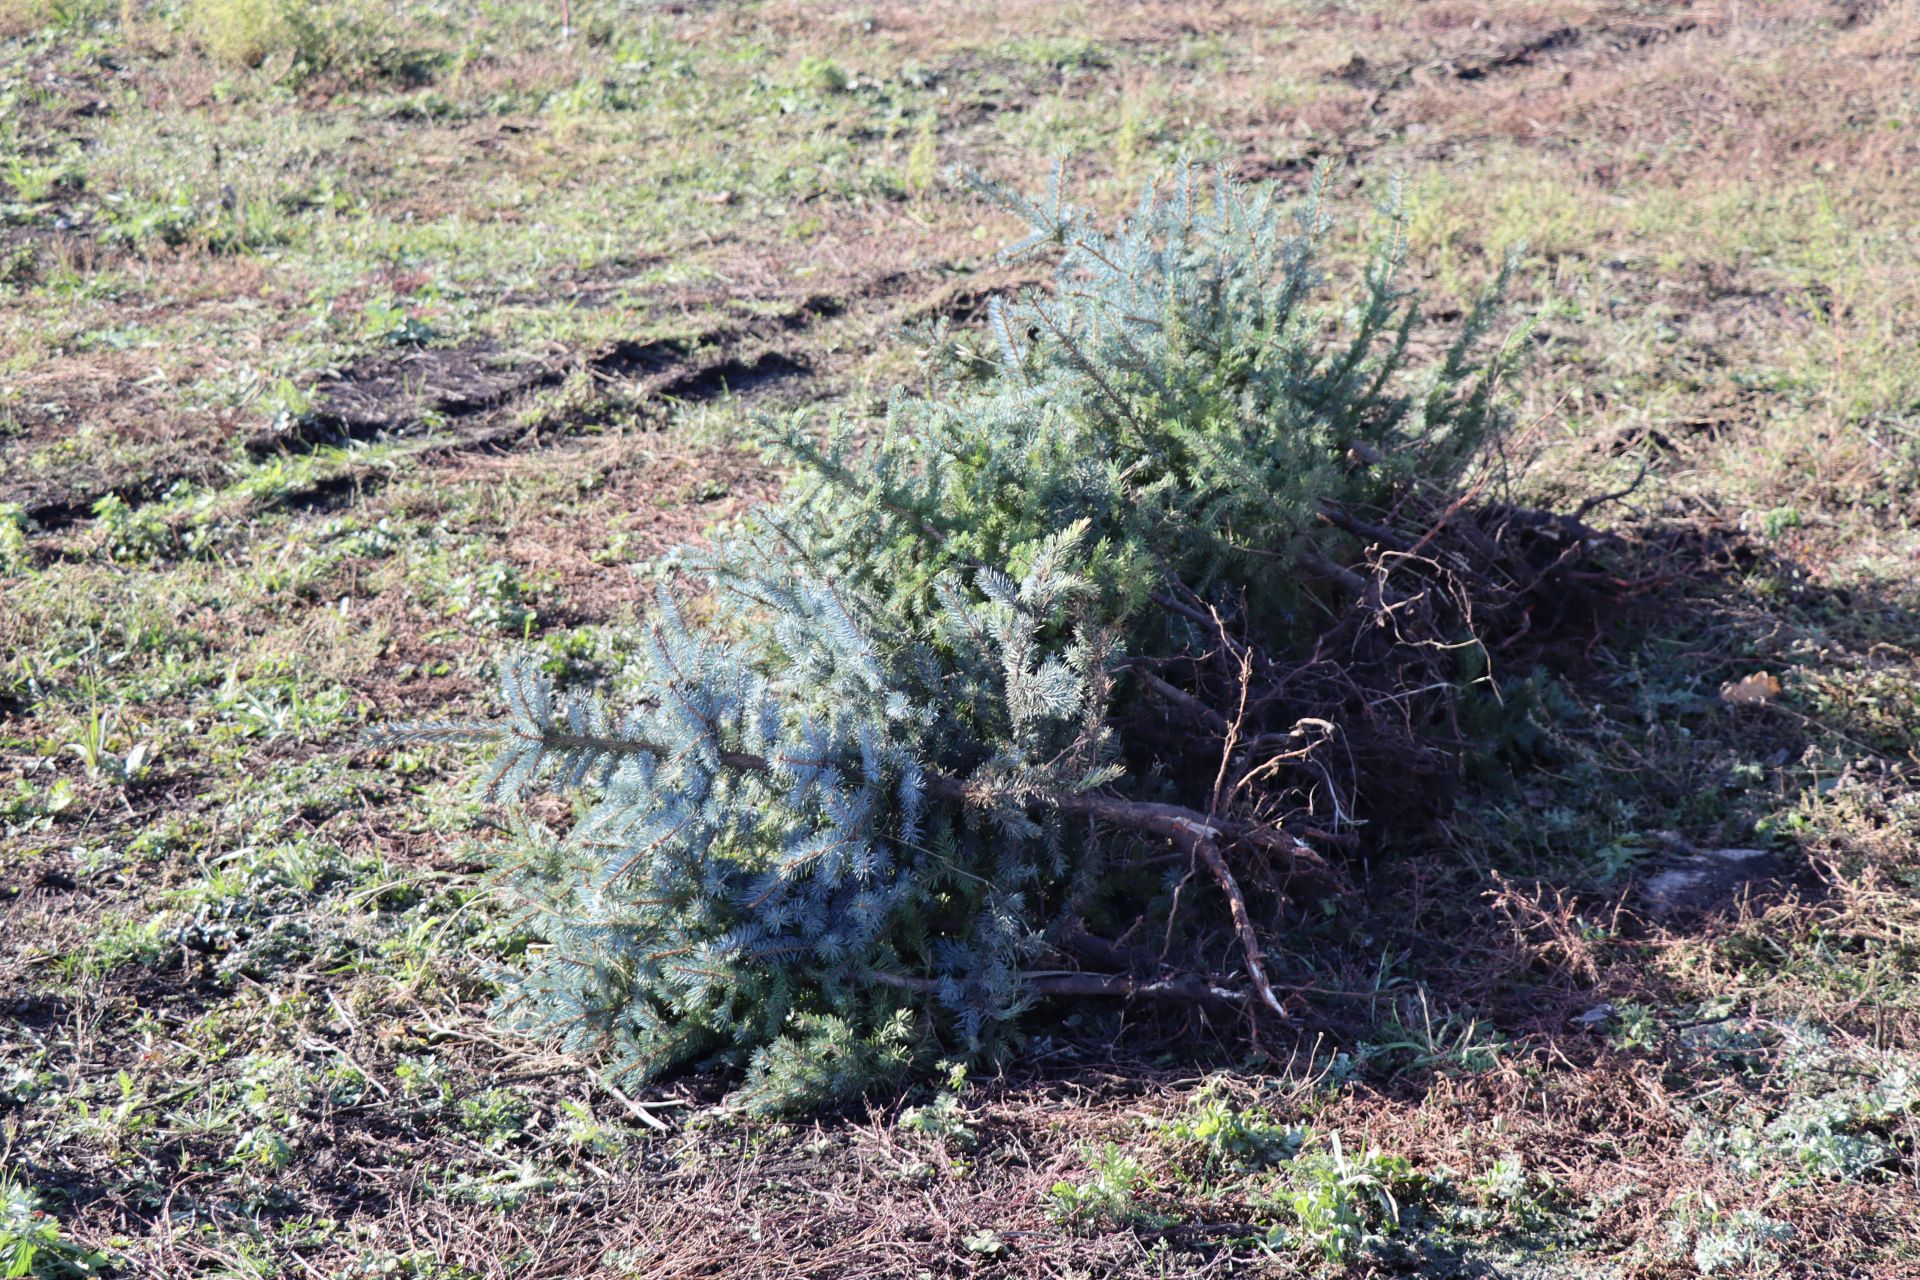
[{"x": 1706, "y": 879}]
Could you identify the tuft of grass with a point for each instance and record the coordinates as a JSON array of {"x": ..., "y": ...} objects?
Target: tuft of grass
[
  {"x": 1059, "y": 53},
  {"x": 1413, "y": 1037},
  {"x": 15, "y": 555},
  {"x": 22, "y": 17},
  {"x": 306, "y": 38},
  {"x": 129, "y": 533},
  {"x": 245, "y": 33},
  {"x": 923, "y": 159},
  {"x": 822, "y": 75}
]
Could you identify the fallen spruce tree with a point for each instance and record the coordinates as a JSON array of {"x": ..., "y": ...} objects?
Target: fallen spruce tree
[{"x": 1063, "y": 680}]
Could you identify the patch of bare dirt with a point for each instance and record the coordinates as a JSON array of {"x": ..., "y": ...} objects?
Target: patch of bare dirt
[{"x": 411, "y": 392}]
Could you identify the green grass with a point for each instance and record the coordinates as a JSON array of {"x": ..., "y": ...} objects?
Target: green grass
[{"x": 247, "y": 960}]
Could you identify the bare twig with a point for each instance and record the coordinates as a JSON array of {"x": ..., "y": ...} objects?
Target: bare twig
[
  {"x": 1322, "y": 567},
  {"x": 1233, "y": 729},
  {"x": 1187, "y": 988},
  {"x": 1180, "y": 698},
  {"x": 637, "y": 1110},
  {"x": 1340, "y": 517},
  {"x": 1209, "y": 854},
  {"x": 1602, "y": 499}
]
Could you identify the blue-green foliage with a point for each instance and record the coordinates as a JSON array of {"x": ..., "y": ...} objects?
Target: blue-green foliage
[
  {"x": 759, "y": 873},
  {"x": 833, "y": 833},
  {"x": 1183, "y": 387}
]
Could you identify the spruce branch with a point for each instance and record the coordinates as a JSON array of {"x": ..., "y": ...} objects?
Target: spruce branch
[{"x": 1177, "y": 824}]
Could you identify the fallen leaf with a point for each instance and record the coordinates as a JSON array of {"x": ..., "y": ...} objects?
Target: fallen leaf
[{"x": 1751, "y": 691}]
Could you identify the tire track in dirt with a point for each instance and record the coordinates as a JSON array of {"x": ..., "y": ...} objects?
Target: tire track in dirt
[
  {"x": 469, "y": 396},
  {"x": 1607, "y": 41},
  {"x": 1388, "y": 90},
  {"x": 442, "y": 401}
]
